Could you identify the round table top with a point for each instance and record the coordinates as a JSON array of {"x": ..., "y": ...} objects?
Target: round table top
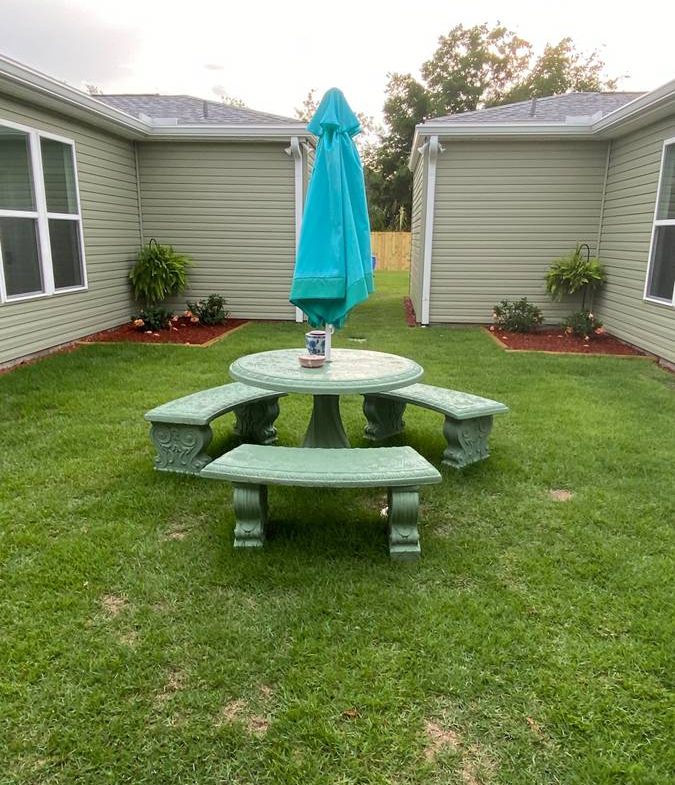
[{"x": 349, "y": 371}]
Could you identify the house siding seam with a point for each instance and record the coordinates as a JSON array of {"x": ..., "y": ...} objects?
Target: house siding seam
[
  {"x": 504, "y": 211},
  {"x": 230, "y": 208},
  {"x": 417, "y": 236},
  {"x": 109, "y": 210},
  {"x": 625, "y": 241}
]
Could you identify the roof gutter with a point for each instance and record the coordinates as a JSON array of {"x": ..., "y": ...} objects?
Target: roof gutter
[
  {"x": 471, "y": 131},
  {"x": 640, "y": 111},
  {"x": 267, "y": 132},
  {"x": 28, "y": 84}
]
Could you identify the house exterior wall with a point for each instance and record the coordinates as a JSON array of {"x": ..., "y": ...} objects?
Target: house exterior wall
[
  {"x": 109, "y": 208},
  {"x": 630, "y": 199},
  {"x": 504, "y": 211},
  {"x": 417, "y": 235},
  {"x": 230, "y": 208}
]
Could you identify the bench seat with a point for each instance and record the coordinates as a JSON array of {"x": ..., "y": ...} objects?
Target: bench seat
[
  {"x": 468, "y": 419},
  {"x": 251, "y": 468},
  {"x": 181, "y": 429}
]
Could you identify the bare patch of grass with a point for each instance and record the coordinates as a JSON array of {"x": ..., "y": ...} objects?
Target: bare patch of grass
[
  {"x": 478, "y": 767},
  {"x": 257, "y": 726},
  {"x": 129, "y": 638},
  {"x": 113, "y": 604},
  {"x": 231, "y": 712},
  {"x": 175, "y": 681},
  {"x": 560, "y": 495},
  {"x": 239, "y": 711},
  {"x": 439, "y": 740}
]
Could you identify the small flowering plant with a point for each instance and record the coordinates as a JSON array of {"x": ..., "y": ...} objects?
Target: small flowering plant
[
  {"x": 519, "y": 316},
  {"x": 584, "y": 324},
  {"x": 152, "y": 319},
  {"x": 210, "y": 310}
]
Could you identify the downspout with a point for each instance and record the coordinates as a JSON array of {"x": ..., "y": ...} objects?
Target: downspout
[
  {"x": 429, "y": 205},
  {"x": 604, "y": 195},
  {"x": 138, "y": 192},
  {"x": 296, "y": 151}
]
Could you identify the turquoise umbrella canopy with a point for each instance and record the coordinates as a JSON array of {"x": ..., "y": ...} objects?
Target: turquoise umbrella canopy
[{"x": 333, "y": 269}]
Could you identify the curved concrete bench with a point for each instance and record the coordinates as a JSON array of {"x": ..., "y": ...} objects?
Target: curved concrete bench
[
  {"x": 251, "y": 468},
  {"x": 468, "y": 419},
  {"x": 181, "y": 429}
]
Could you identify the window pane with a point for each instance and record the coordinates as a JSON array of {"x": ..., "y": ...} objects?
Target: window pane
[
  {"x": 64, "y": 237},
  {"x": 16, "y": 189},
  {"x": 662, "y": 278},
  {"x": 666, "y": 207},
  {"x": 57, "y": 164},
  {"x": 20, "y": 257}
]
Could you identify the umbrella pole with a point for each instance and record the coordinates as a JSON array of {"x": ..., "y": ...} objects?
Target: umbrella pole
[{"x": 329, "y": 333}]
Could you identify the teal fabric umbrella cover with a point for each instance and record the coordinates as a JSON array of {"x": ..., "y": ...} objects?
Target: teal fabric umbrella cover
[{"x": 333, "y": 269}]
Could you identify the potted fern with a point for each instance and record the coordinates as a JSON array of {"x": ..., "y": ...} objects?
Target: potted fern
[
  {"x": 574, "y": 273},
  {"x": 159, "y": 273}
]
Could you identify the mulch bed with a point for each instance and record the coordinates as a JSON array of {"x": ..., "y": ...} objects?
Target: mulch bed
[
  {"x": 183, "y": 332},
  {"x": 555, "y": 340},
  {"x": 410, "y": 316},
  {"x": 548, "y": 340}
]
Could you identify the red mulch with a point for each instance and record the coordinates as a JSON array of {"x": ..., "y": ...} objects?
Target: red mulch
[
  {"x": 183, "y": 332},
  {"x": 410, "y": 317},
  {"x": 555, "y": 340}
]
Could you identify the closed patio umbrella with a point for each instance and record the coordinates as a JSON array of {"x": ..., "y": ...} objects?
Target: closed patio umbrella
[{"x": 333, "y": 269}]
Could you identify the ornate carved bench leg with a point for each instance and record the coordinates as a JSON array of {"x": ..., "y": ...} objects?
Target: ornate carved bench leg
[
  {"x": 250, "y": 511},
  {"x": 467, "y": 441},
  {"x": 181, "y": 448},
  {"x": 255, "y": 421},
  {"x": 404, "y": 539},
  {"x": 385, "y": 417}
]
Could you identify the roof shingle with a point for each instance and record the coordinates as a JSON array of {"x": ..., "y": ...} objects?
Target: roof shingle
[
  {"x": 188, "y": 110},
  {"x": 551, "y": 109}
]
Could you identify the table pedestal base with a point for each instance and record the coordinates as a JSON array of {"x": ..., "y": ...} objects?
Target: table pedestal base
[{"x": 325, "y": 428}]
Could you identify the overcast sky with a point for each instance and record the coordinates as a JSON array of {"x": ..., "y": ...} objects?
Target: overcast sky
[{"x": 270, "y": 54}]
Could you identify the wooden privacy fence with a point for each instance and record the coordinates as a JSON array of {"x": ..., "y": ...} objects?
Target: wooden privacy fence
[{"x": 392, "y": 250}]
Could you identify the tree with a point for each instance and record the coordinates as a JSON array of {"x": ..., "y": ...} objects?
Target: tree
[
  {"x": 308, "y": 107},
  {"x": 560, "y": 69},
  {"x": 472, "y": 67}
]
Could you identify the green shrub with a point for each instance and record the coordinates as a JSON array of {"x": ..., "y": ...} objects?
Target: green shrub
[
  {"x": 158, "y": 274},
  {"x": 519, "y": 316},
  {"x": 582, "y": 323},
  {"x": 152, "y": 319},
  {"x": 210, "y": 310},
  {"x": 576, "y": 272}
]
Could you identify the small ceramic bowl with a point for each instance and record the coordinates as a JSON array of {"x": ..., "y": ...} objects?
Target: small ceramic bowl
[{"x": 311, "y": 360}]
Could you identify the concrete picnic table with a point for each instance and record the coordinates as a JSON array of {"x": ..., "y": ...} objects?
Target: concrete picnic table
[{"x": 350, "y": 371}]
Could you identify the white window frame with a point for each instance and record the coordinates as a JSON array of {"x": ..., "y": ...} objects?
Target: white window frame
[
  {"x": 655, "y": 224},
  {"x": 42, "y": 216}
]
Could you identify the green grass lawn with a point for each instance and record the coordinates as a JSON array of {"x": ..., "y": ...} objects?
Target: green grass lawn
[{"x": 532, "y": 643}]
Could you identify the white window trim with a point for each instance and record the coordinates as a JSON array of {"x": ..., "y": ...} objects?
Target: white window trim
[
  {"x": 656, "y": 223},
  {"x": 42, "y": 216}
]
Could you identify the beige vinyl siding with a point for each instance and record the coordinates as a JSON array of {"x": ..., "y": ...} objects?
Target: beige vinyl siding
[
  {"x": 503, "y": 212},
  {"x": 630, "y": 199},
  {"x": 109, "y": 209},
  {"x": 417, "y": 236},
  {"x": 309, "y": 154},
  {"x": 230, "y": 207}
]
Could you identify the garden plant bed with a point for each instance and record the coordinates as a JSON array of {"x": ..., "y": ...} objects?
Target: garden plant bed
[
  {"x": 555, "y": 340},
  {"x": 182, "y": 331}
]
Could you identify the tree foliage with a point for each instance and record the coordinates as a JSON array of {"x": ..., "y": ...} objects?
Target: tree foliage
[{"x": 472, "y": 67}]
